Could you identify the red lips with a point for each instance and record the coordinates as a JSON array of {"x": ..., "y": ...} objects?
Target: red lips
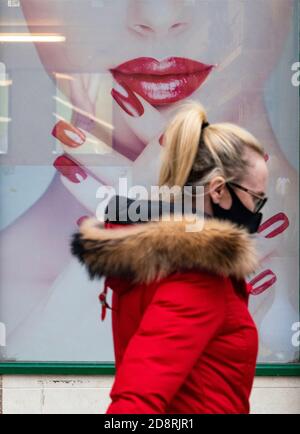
[{"x": 163, "y": 82}]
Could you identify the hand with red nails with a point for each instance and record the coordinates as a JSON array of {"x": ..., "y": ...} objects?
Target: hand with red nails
[
  {"x": 147, "y": 124},
  {"x": 84, "y": 131},
  {"x": 77, "y": 174}
]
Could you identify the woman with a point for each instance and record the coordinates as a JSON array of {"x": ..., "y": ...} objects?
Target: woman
[{"x": 184, "y": 339}]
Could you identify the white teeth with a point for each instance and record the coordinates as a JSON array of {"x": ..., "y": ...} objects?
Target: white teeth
[
  {"x": 73, "y": 136},
  {"x": 160, "y": 90}
]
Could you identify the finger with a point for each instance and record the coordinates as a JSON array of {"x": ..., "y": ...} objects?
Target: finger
[
  {"x": 83, "y": 104},
  {"x": 145, "y": 169},
  {"x": 93, "y": 87},
  {"x": 144, "y": 120},
  {"x": 87, "y": 193},
  {"x": 274, "y": 226},
  {"x": 100, "y": 136},
  {"x": 266, "y": 248},
  {"x": 82, "y": 185},
  {"x": 88, "y": 150},
  {"x": 68, "y": 135},
  {"x": 262, "y": 281},
  {"x": 85, "y": 80},
  {"x": 79, "y": 141},
  {"x": 76, "y": 171},
  {"x": 78, "y": 92},
  {"x": 83, "y": 110}
]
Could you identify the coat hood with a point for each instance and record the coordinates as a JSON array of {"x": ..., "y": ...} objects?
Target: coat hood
[{"x": 151, "y": 251}]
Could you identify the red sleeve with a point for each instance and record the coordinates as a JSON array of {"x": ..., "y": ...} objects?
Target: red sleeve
[{"x": 176, "y": 327}]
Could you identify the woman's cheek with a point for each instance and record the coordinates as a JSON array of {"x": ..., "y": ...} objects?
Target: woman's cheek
[{"x": 46, "y": 16}]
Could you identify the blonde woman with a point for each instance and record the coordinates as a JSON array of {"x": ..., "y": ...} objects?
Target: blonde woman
[{"x": 184, "y": 339}]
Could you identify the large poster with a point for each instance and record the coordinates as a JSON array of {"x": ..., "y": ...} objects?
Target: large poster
[{"x": 86, "y": 88}]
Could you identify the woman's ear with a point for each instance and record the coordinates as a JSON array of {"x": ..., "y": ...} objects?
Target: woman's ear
[{"x": 217, "y": 189}]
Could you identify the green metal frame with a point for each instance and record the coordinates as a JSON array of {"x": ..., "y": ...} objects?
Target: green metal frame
[{"x": 263, "y": 370}]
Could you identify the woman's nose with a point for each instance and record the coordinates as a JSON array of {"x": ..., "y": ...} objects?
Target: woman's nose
[{"x": 153, "y": 18}]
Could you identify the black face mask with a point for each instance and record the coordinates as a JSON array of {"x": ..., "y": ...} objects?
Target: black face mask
[{"x": 238, "y": 213}]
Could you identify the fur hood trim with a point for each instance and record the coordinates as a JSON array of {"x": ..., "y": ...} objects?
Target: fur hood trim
[{"x": 151, "y": 251}]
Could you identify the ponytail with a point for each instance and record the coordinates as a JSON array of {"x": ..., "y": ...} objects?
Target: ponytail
[
  {"x": 196, "y": 154},
  {"x": 181, "y": 141}
]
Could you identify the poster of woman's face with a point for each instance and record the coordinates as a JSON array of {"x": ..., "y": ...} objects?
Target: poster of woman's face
[{"x": 86, "y": 90}]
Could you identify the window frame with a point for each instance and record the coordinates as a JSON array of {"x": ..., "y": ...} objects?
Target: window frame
[
  {"x": 108, "y": 368},
  {"x": 59, "y": 368}
]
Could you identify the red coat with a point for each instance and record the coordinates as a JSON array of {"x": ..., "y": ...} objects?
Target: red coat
[{"x": 184, "y": 339}]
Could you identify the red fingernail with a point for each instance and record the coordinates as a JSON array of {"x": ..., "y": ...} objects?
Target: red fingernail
[
  {"x": 127, "y": 100},
  {"x": 266, "y": 157},
  {"x": 256, "y": 290},
  {"x": 68, "y": 135},
  {"x": 81, "y": 219},
  {"x": 69, "y": 169},
  {"x": 280, "y": 217}
]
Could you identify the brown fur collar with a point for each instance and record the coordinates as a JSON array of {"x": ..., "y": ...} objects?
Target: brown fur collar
[{"x": 153, "y": 250}]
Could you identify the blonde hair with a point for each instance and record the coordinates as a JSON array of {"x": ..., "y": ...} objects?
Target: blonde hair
[{"x": 195, "y": 155}]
